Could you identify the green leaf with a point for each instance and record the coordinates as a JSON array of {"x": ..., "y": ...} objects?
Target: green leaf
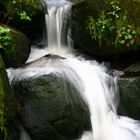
[
  {"x": 122, "y": 41},
  {"x": 23, "y": 16}
]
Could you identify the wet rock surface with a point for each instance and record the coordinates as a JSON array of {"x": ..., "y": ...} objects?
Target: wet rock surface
[{"x": 52, "y": 107}]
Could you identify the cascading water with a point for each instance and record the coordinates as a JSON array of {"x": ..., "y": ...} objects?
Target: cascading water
[
  {"x": 58, "y": 31},
  {"x": 56, "y": 25},
  {"x": 98, "y": 88}
]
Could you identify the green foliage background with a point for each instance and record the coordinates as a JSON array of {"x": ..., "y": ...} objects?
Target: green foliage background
[
  {"x": 114, "y": 25},
  {"x": 25, "y": 9}
]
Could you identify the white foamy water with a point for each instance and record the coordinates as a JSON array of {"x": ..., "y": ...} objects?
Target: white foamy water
[{"x": 97, "y": 88}]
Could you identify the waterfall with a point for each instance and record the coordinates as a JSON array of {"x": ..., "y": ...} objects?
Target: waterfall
[
  {"x": 101, "y": 95},
  {"x": 58, "y": 32},
  {"x": 96, "y": 86},
  {"x": 56, "y": 28}
]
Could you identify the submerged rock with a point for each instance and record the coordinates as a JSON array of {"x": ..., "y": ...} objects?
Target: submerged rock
[{"x": 53, "y": 108}]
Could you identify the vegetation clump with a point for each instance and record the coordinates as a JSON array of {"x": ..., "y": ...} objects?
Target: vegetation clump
[
  {"x": 113, "y": 27},
  {"x": 23, "y": 9},
  {"x": 20, "y": 9},
  {"x": 6, "y": 42}
]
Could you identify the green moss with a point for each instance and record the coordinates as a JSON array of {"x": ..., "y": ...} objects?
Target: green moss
[
  {"x": 16, "y": 50},
  {"x": 7, "y": 101},
  {"x": 132, "y": 7},
  {"x": 130, "y": 96},
  {"x": 2, "y": 94},
  {"x": 6, "y": 40}
]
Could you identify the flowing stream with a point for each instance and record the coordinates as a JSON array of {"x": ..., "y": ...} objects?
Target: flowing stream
[{"x": 93, "y": 80}]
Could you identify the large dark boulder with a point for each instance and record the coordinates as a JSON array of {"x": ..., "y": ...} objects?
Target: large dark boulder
[
  {"x": 130, "y": 96},
  {"x": 80, "y": 33},
  {"x": 53, "y": 108},
  {"x": 21, "y": 48},
  {"x": 129, "y": 88},
  {"x": 82, "y": 38}
]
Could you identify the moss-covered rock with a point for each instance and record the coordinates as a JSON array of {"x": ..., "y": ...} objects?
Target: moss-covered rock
[
  {"x": 130, "y": 96},
  {"x": 21, "y": 50},
  {"x": 129, "y": 86},
  {"x": 7, "y": 98},
  {"x": 132, "y": 7},
  {"x": 8, "y": 94},
  {"x": 81, "y": 35},
  {"x": 53, "y": 108},
  {"x": 26, "y": 15}
]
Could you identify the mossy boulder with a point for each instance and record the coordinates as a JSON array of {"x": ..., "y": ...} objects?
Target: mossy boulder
[
  {"x": 130, "y": 96},
  {"x": 21, "y": 46},
  {"x": 31, "y": 22},
  {"x": 7, "y": 98},
  {"x": 83, "y": 39},
  {"x": 129, "y": 87},
  {"x": 52, "y": 105}
]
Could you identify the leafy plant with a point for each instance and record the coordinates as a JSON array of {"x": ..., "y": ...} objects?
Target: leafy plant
[
  {"x": 98, "y": 29},
  {"x": 113, "y": 27},
  {"x": 114, "y": 10},
  {"x": 20, "y": 6},
  {"x": 6, "y": 41},
  {"x": 23, "y": 16},
  {"x": 6, "y": 44},
  {"x": 125, "y": 34}
]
